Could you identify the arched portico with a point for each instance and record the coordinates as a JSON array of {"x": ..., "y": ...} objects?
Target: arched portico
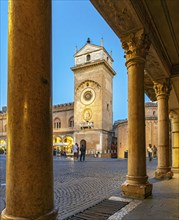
[
  {"x": 160, "y": 62},
  {"x": 23, "y": 67},
  {"x": 62, "y": 144}
]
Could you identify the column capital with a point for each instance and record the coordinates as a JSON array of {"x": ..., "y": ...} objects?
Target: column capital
[
  {"x": 136, "y": 46},
  {"x": 174, "y": 115},
  {"x": 162, "y": 88}
]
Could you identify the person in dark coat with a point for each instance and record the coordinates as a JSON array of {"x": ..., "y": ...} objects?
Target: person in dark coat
[
  {"x": 149, "y": 149},
  {"x": 83, "y": 152}
]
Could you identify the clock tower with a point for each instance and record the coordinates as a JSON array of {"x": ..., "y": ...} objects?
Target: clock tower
[{"x": 93, "y": 80}]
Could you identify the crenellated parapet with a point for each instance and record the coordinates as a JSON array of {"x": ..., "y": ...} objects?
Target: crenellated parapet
[{"x": 63, "y": 107}]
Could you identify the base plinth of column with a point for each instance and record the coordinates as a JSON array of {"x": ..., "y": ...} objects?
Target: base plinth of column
[
  {"x": 48, "y": 216},
  {"x": 175, "y": 170},
  {"x": 136, "y": 191},
  {"x": 162, "y": 174}
]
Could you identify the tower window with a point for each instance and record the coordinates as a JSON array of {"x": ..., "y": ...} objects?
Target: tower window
[
  {"x": 107, "y": 107},
  {"x": 88, "y": 57}
]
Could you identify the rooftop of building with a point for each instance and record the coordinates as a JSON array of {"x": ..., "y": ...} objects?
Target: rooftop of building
[
  {"x": 151, "y": 104},
  {"x": 63, "y": 107},
  {"x": 121, "y": 121}
]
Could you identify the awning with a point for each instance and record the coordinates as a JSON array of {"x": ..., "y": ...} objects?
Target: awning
[{"x": 60, "y": 144}]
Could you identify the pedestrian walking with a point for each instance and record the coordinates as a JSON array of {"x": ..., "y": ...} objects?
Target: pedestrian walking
[
  {"x": 75, "y": 151},
  {"x": 154, "y": 149},
  {"x": 78, "y": 150},
  {"x": 149, "y": 150},
  {"x": 83, "y": 152}
]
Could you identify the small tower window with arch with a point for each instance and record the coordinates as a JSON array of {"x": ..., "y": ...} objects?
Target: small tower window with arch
[
  {"x": 57, "y": 123},
  {"x": 71, "y": 122},
  {"x": 88, "y": 57}
]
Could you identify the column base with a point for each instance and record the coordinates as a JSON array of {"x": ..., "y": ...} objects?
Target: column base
[
  {"x": 163, "y": 174},
  {"x": 48, "y": 216},
  {"x": 136, "y": 191},
  {"x": 175, "y": 170}
]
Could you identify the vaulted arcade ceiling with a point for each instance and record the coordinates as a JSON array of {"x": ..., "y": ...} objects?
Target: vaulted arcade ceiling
[{"x": 160, "y": 21}]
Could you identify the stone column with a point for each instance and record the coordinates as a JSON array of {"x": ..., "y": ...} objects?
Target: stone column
[
  {"x": 29, "y": 174},
  {"x": 175, "y": 141},
  {"x": 162, "y": 90},
  {"x": 136, "y": 185}
]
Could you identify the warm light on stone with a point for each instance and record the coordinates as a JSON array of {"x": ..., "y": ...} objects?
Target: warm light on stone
[
  {"x": 136, "y": 185},
  {"x": 29, "y": 171},
  {"x": 162, "y": 90},
  {"x": 175, "y": 141}
]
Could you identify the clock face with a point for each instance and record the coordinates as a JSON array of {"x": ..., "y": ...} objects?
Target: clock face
[{"x": 87, "y": 96}]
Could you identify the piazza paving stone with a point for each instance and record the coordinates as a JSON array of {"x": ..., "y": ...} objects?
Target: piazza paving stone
[{"x": 81, "y": 185}]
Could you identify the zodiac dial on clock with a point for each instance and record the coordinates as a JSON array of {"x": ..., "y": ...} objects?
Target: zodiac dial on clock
[{"x": 87, "y": 96}]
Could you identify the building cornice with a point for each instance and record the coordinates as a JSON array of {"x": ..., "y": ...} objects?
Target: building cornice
[{"x": 92, "y": 64}]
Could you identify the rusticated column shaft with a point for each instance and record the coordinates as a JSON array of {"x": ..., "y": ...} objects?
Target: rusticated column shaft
[
  {"x": 175, "y": 141},
  {"x": 29, "y": 176},
  {"x": 162, "y": 91},
  {"x": 136, "y": 46}
]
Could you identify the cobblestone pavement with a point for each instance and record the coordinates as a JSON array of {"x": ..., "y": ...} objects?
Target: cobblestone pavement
[{"x": 79, "y": 185}]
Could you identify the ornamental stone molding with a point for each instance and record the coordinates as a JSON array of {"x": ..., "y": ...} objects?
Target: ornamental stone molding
[
  {"x": 88, "y": 83},
  {"x": 174, "y": 115},
  {"x": 92, "y": 65},
  {"x": 123, "y": 16},
  {"x": 153, "y": 66},
  {"x": 88, "y": 96},
  {"x": 162, "y": 88},
  {"x": 87, "y": 114},
  {"x": 136, "y": 45}
]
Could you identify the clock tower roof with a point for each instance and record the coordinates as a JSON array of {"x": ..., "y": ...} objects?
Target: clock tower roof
[{"x": 91, "y": 53}]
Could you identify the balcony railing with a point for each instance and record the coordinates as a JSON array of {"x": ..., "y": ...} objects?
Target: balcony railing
[{"x": 84, "y": 125}]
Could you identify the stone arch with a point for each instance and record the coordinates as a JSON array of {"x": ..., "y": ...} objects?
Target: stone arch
[
  {"x": 57, "y": 123},
  {"x": 3, "y": 145},
  {"x": 71, "y": 122},
  {"x": 68, "y": 143},
  {"x": 83, "y": 141},
  {"x": 89, "y": 83}
]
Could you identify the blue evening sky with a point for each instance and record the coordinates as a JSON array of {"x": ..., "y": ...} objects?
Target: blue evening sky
[{"x": 73, "y": 21}]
